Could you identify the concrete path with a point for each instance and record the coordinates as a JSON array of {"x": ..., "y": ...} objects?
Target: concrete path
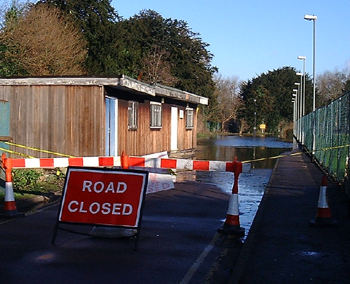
[{"x": 281, "y": 246}]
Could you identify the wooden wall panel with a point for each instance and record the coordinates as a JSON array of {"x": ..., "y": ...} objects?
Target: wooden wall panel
[
  {"x": 65, "y": 119},
  {"x": 144, "y": 140},
  {"x": 71, "y": 120},
  {"x": 186, "y": 137}
]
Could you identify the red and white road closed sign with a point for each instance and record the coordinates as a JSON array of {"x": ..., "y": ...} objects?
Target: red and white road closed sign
[{"x": 103, "y": 197}]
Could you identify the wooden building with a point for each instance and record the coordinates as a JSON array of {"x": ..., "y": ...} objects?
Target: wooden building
[{"x": 97, "y": 116}]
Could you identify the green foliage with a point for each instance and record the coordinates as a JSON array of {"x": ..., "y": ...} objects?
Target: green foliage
[
  {"x": 26, "y": 179},
  {"x": 186, "y": 53},
  {"x": 96, "y": 19},
  {"x": 37, "y": 181},
  {"x": 8, "y": 68},
  {"x": 272, "y": 93},
  {"x": 184, "y": 50}
]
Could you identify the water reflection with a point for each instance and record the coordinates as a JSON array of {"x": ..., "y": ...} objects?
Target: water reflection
[
  {"x": 225, "y": 148},
  {"x": 251, "y": 190},
  {"x": 251, "y": 184}
]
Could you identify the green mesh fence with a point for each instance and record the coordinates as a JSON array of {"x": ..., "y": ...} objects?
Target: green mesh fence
[{"x": 326, "y": 134}]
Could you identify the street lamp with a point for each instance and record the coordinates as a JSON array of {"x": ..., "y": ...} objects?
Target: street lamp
[
  {"x": 301, "y": 93},
  {"x": 298, "y": 112},
  {"x": 294, "y": 101},
  {"x": 303, "y": 58},
  {"x": 313, "y": 18},
  {"x": 255, "y": 118}
]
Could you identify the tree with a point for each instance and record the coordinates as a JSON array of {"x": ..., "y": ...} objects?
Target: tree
[
  {"x": 227, "y": 91},
  {"x": 347, "y": 86},
  {"x": 181, "y": 49},
  {"x": 40, "y": 41},
  {"x": 330, "y": 86},
  {"x": 148, "y": 38},
  {"x": 272, "y": 93},
  {"x": 97, "y": 21},
  {"x": 156, "y": 69}
]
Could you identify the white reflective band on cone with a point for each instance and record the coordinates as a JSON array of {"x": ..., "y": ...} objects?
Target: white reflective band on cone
[
  {"x": 9, "y": 191},
  {"x": 233, "y": 205},
  {"x": 322, "y": 199}
]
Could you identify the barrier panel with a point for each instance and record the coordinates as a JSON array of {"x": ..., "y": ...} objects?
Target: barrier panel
[
  {"x": 125, "y": 162},
  {"x": 164, "y": 163}
]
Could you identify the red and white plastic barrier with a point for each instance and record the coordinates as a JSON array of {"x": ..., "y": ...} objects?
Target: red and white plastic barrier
[
  {"x": 163, "y": 163},
  {"x": 120, "y": 161}
]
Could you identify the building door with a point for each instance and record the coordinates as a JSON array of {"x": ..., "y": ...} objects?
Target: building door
[
  {"x": 111, "y": 126},
  {"x": 173, "y": 129},
  {"x": 4, "y": 119},
  {"x": 4, "y": 124}
]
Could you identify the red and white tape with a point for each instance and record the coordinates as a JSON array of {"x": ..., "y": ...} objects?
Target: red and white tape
[{"x": 163, "y": 163}]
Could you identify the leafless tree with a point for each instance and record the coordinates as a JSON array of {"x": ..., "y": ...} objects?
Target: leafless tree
[
  {"x": 44, "y": 42},
  {"x": 227, "y": 91},
  {"x": 156, "y": 68},
  {"x": 331, "y": 85}
]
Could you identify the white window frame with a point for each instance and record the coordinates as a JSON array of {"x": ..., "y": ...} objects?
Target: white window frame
[
  {"x": 132, "y": 115},
  {"x": 189, "y": 118},
  {"x": 155, "y": 115}
]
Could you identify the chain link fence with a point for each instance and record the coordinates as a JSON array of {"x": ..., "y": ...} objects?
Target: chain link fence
[{"x": 326, "y": 134}]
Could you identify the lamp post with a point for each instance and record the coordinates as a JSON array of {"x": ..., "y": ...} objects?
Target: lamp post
[
  {"x": 299, "y": 107},
  {"x": 297, "y": 114},
  {"x": 301, "y": 93},
  {"x": 313, "y": 18},
  {"x": 303, "y": 58},
  {"x": 294, "y": 113},
  {"x": 255, "y": 118}
]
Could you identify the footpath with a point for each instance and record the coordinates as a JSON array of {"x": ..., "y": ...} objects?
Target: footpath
[{"x": 281, "y": 246}]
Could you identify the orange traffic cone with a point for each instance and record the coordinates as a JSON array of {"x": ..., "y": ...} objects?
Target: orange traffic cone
[
  {"x": 323, "y": 215},
  {"x": 10, "y": 209},
  {"x": 232, "y": 225}
]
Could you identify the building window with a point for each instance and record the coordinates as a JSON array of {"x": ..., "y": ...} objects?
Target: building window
[
  {"x": 132, "y": 115},
  {"x": 156, "y": 115},
  {"x": 189, "y": 117}
]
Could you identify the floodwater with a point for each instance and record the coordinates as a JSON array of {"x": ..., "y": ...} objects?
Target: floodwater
[
  {"x": 226, "y": 148},
  {"x": 251, "y": 184}
]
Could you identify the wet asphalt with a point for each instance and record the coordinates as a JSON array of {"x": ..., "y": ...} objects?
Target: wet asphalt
[{"x": 178, "y": 243}]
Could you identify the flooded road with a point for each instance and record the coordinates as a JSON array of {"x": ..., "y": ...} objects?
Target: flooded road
[
  {"x": 225, "y": 148},
  {"x": 251, "y": 184}
]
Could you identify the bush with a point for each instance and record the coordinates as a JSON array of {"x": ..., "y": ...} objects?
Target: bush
[
  {"x": 38, "y": 180},
  {"x": 26, "y": 179}
]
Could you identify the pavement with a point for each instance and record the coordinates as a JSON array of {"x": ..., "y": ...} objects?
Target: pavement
[
  {"x": 281, "y": 246},
  {"x": 179, "y": 242}
]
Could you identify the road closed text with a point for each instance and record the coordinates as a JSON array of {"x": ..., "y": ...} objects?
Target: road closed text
[
  {"x": 104, "y": 208},
  {"x": 98, "y": 196}
]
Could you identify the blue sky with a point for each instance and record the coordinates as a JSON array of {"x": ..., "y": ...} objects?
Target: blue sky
[{"x": 250, "y": 37}]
